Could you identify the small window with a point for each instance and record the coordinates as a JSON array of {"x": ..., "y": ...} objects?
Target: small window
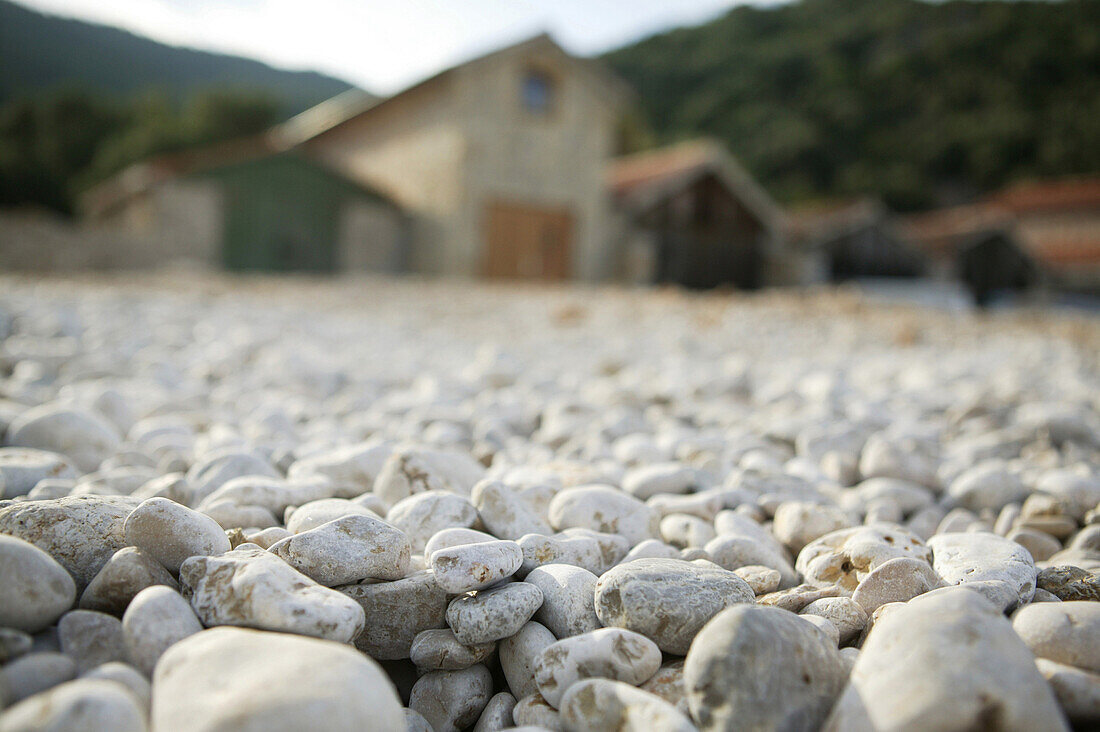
[{"x": 537, "y": 91}]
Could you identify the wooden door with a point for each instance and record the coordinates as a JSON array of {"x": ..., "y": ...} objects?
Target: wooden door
[{"x": 528, "y": 242}]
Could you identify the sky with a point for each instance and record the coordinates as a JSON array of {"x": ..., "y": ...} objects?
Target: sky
[{"x": 385, "y": 45}]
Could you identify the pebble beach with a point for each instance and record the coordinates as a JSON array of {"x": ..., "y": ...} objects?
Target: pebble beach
[{"x": 386, "y": 504}]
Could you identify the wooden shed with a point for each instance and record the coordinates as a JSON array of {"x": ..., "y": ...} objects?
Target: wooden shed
[{"x": 706, "y": 221}]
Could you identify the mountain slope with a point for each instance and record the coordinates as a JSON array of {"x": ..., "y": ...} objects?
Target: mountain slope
[
  {"x": 40, "y": 52},
  {"x": 922, "y": 103}
]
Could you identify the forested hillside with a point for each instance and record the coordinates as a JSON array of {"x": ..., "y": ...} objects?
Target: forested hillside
[
  {"x": 41, "y": 52},
  {"x": 923, "y": 103}
]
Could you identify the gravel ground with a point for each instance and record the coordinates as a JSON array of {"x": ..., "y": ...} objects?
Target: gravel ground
[{"x": 280, "y": 504}]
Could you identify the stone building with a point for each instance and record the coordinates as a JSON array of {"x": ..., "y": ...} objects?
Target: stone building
[{"x": 500, "y": 160}]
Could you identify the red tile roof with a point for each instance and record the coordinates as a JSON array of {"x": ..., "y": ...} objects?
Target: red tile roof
[
  {"x": 1056, "y": 195},
  {"x": 627, "y": 174}
]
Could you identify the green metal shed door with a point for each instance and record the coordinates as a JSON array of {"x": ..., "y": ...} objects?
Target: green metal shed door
[{"x": 279, "y": 223}]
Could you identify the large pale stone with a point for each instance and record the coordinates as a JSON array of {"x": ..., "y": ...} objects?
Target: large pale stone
[
  {"x": 253, "y": 588},
  {"x": 126, "y": 573},
  {"x": 396, "y": 612},
  {"x": 80, "y": 533},
  {"x": 595, "y": 705},
  {"x": 981, "y": 556},
  {"x": 34, "y": 589},
  {"x": 252, "y": 681},
  {"x": 84, "y": 704},
  {"x": 84, "y": 437},
  {"x": 947, "y": 660},
  {"x": 611, "y": 653},
  {"x": 346, "y": 550},
  {"x": 170, "y": 533},
  {"x": 21, "y": 468},
  {"x": 157, "y": 618},
  {"x": 1065, "y": 632},
  {"x": 761, "y": 668},
  {"x": 667, "y": 600}
]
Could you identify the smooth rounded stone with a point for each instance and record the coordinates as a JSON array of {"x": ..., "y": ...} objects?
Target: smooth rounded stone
[
  {"x": 51, "y": 488},
  {"x": 315, "y": 513},
  {"x": 396, "y": 612},
  {"x": 1039, "y": 545},
  {"x": 1087, "y": 538},
  {"x": 797, "y": 523},
  {"x": 683, "y": 530},
  {"x": 613, "y": 547},
  {"x": 126, "y": 573},
  {"x": 606, "y": 510},
  {"x": 273, "y": 494},
  {"x": 172, "y": 486},
  {"x": 567, "y": 607},
  {"x": 535, "y": 713},
  {"x": 610, "y": 653},
  {"x": 957, "y": 520},
  {"x": 1066, "y": 632},
  {"x": 493, "y": 614},
  {"x": 923, "y": 523},
  {"x": 156, "y": 619},
  {"x": 452, "y": 700},
  {"x": 847, "y": 556},
  {"x": 979, "y": 556},
  {"x": 83, "y": 437},
  {"x": 519, "y": 655},
  {"x": 988, "y": 485},
  {"x": 346, "y": 550},
  {"x": 468, "y": 567},
  {"x": 651, "y": 480},
  {"x": 705, "y": 504},
  {"x": 268, "y": 537},
  {"x": 230, "y": 515},
  {"x": 80, "y": 533},
  {"x": 91, "y": 638},
  {"x": 580, "y": 551},
  {"x": 1077, "y": 691},
  {"x": 907, "y": 496},
  {"x": 170, "y": 533},
  {"x": 651, "y": 549},
  {"x": 755, "y": 667},
  {"x": 732, "y": 551},
  {"x": 128, "y": 678},
  {"x": 505, "y": 512},
  {"x": 253, "y": 588},
  {"x": 667, "y": 600},
  {"x": 447, "y": 538},
  {"x": 946, "y": 660},
  {"x": 415, "y": 722},
  {"x": 34, "y": 589},
  {"x": 1069, "y": 583},
  {"x": 738, "y": 523},
  {"x": 796, "y": 598},
  {"x": 1079, "y": 492},
  {"x": 844, "y": 613},
  {"x": 439, "y": 650},
  {"x": 34, "y": 673},
  {"x": 13, "y": 644},
  {"x": 900, "y": 456},
  {"x": 208, "y": 475},
  {"x": 497, "y": 714},
  {"x": 356, "y": 466},
  {"x": 249, "y": 680},
  {"x": 408, "y": 471},
  {"x": 595, "y": 705},
  {"x": 84, "y": 704},
  {"x": 423, "y": 515},
  {"x": 825, "y": 626},
  {"x": 895, "y": 580},
  {"x": 22, "y": 468},
  {"x": 761, "y": 579},
  {"x": 1086, "y": 559}
]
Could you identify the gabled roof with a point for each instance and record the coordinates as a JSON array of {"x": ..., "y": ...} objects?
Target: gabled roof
[
  {"x": 147, "y": 174},
  {"x": 344, "y": 108},
  {"x": 642, "y": 180},
  {"x": 820, "y": 221},
  {"x": 1067, "y": 194}
]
